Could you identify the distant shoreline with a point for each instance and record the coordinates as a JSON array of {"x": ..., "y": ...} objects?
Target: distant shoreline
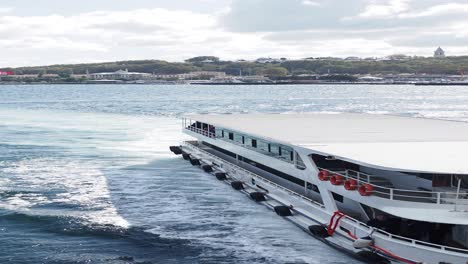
[{"x": 249, "y": 84}]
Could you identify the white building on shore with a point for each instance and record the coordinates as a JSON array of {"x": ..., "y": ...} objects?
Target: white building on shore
[
  {"x": 120, "y": 75},
  {"x": 191, "y": 75}
]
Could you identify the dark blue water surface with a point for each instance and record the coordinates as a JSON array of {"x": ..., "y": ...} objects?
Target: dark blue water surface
[{"x": 86, "y": 176}]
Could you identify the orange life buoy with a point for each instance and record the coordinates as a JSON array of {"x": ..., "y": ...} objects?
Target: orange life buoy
[
  {"x": 350, "y": 185},
  {"x": 366, "y": 189},
  {"x": 324, "y": 175},
  {"x": 336, "y": 179}
]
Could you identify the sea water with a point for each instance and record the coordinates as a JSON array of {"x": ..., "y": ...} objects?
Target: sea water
[{"x": 86, "y": 175}]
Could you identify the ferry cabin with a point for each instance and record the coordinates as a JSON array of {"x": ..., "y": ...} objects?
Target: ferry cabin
[{"x": 407, "y": 178}]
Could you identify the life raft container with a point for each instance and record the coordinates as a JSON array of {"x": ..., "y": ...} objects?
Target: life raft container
[
  {"x": 366, "y": 189},
  {"x": 257, "y": 196},
  {"x": 194, "y": 161},
  {"x": 207, "y": 168},
  {"x": 185, "y": 156},
  {"x": 176, "y": 150},
  {"x": 336, "y": 179},
  {"x": 237, "y": 185},
  {"x": 350, "y": 185},
  {"x": 221, "y": 176},
  {"x": 324, "y": 175},
  {"x": 283, "y": 210},
  {"x": 319, "y": 231}
]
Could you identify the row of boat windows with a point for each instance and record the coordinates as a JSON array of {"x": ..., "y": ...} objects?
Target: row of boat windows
[
  {"x": 278, "y": 173},
  {"x": 275, "y": 150},
  {"x": 272, "y": 149}
]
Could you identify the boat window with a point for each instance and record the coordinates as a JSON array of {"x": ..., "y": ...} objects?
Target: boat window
[
  {"x": 313, "y": 187},
  {"x": 254, "y": 143},
  {"x": 463, "y": 181},
  {"x": 331, "y": 163},
  {"x": 299, "y": 162},
  {"x": 247, "y": 141},
  {"x": 273, "y": 171},
  {"x": 286, "y": 153},
  {"x": 219, "y": 133},
  {"x": 337, "y": 197},
  {"x": 262, "y": 145},
  {"x": 422, "y": 176},
  {"x": 275, "y": 149},
  {"x": 211, "y": 129},
  {"x": 238, "y": 138},
  {"x": 440, "y": 180}
]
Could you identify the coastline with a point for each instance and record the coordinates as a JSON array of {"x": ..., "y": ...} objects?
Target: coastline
[{"x": 237, "y": 84}]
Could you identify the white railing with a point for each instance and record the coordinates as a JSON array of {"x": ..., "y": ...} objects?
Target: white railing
[
  {"x": 353, "y": 225},
  {"x": 213, "y": 135},
  {"x": 403, "y": 194},
  {"x": 200, "y": 131},
  {"x": 193, "y": 147},
  {"x": 263, "y": 152}
]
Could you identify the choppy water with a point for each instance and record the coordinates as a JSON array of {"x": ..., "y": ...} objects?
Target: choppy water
[{"x": 86, "y": 175}]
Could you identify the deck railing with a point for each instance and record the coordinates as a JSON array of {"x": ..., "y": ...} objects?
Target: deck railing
[
  {"x": 353, "y": 225},
  {"x": 403, "y": 194},
  {"x": 249, "y": 173},
  {"x": 264, "y": 152},
  {"x": 200, "y": 131},
  {"x": 210, "y": 134},
  {"x": 356, "y": 224}
]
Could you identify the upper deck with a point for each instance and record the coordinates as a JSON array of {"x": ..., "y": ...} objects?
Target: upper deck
[{"x": 381, "y": 141}]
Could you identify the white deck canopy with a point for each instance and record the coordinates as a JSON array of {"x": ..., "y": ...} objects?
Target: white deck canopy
[{"x": 382, "y": 141}]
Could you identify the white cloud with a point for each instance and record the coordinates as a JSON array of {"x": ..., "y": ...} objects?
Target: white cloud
[
  {"x": 6, "y": 9},
  {"x": 438, "y": 10},
  {"x": 106, "y": 33},
  {"x": 134, "y": 34},
  {"x": 244, "y": 29},
  {"x": 377, "y": 9},
  {"x": 310, "y": 3}
]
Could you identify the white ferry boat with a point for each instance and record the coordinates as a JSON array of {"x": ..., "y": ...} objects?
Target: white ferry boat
[{"x": 385, "y": 189}]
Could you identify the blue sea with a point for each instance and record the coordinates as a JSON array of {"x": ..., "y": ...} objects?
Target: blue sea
[{"x": 86, "y": 175}]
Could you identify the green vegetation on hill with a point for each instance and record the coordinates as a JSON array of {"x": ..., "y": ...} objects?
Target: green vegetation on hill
[
  {"x": 148, "y": 66},
  {"x": 449, "y": 65}
]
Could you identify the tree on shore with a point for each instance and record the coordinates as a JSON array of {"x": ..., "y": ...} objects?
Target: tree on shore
[
  {"x": 201, "y": 59},
  {"x": 415, "y": 65},
  {"x": 275, "y": 71}
]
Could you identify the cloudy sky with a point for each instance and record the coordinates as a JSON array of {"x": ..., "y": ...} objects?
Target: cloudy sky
[{"x": 38, "y": 32}]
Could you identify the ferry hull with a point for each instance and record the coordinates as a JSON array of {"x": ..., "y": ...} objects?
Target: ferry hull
[{"x": 307, "y": 213}]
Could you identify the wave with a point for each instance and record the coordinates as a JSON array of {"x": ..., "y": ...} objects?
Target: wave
[{"x": 135, "y": 244}]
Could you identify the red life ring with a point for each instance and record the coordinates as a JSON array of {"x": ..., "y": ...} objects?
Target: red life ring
[
  {"x": 336, "y": 179},
  {"x": 366, "y": 189},
  {"x": 324, "y": 175},
  {"x": 350, "y": 185}
]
